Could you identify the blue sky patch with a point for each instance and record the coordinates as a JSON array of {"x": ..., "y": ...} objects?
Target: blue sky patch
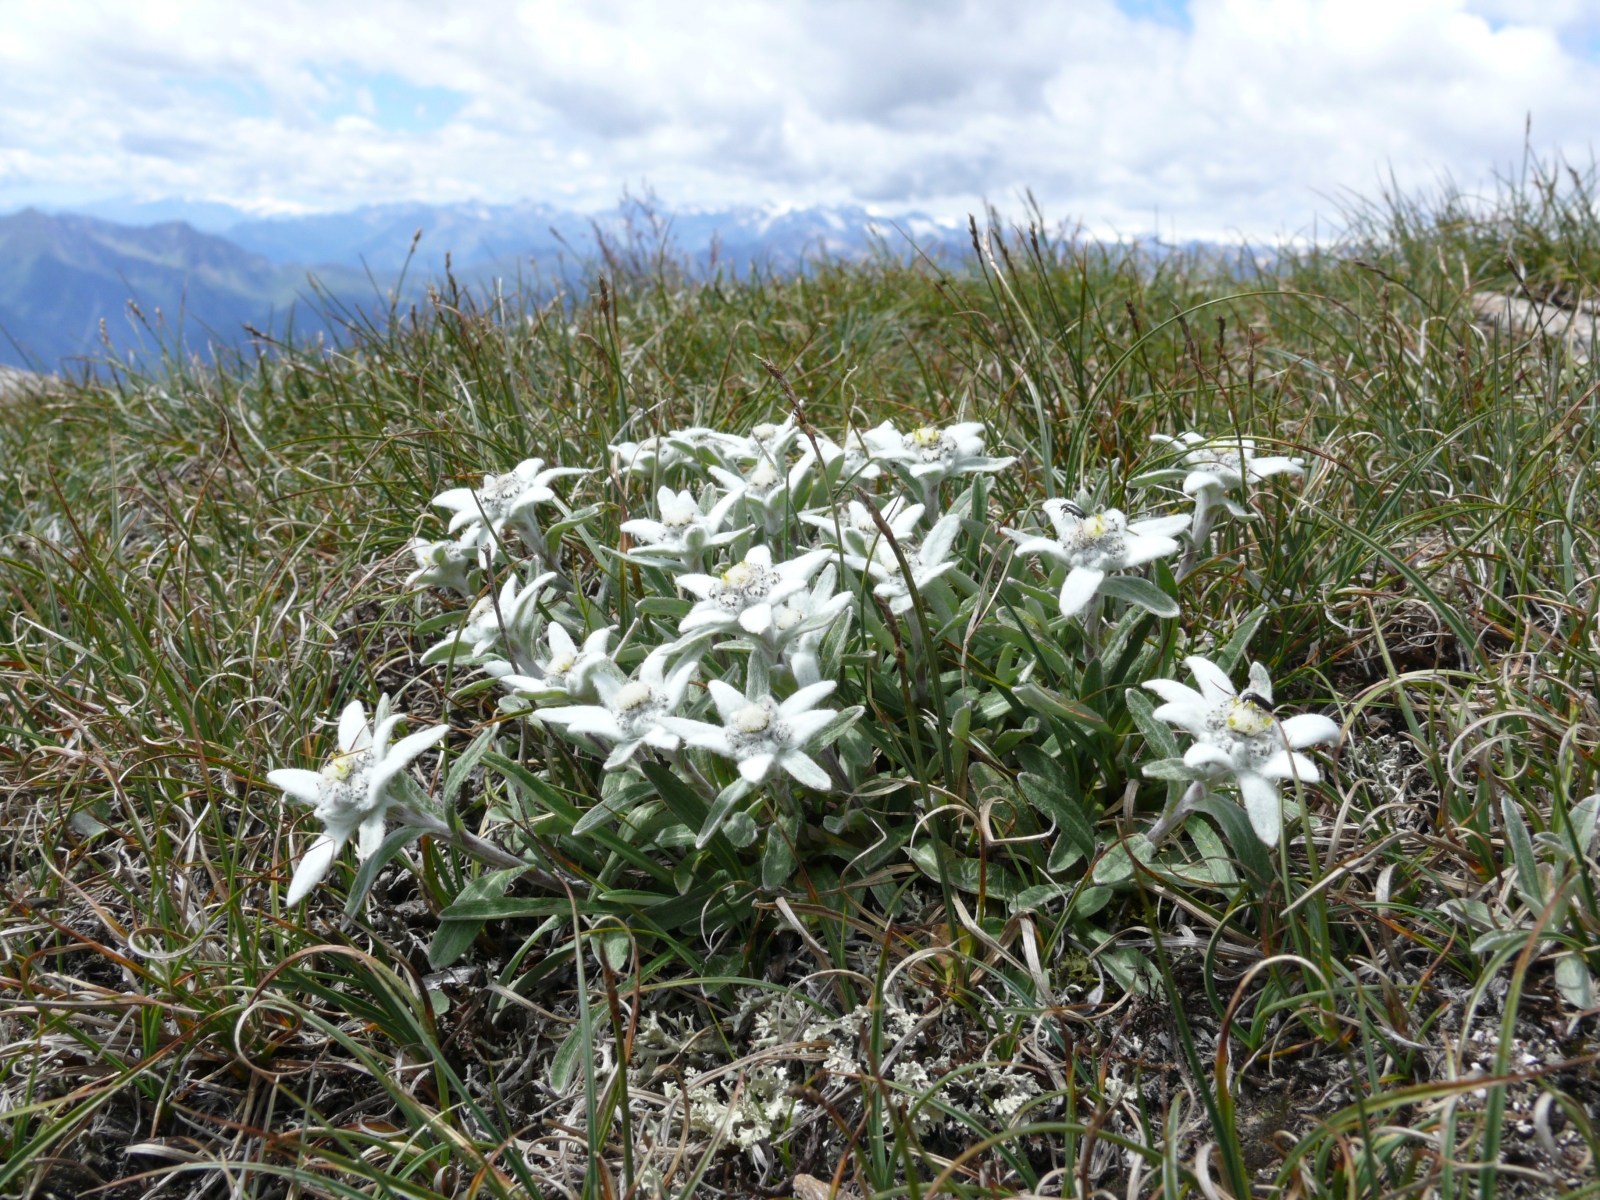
[
  {"x": 391, "y": 102},
  {"x": 1163, "y": 12}
]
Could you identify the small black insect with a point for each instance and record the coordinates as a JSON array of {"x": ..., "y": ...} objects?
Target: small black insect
[
  {"x": 1074, "y": 509},
  {"x": 1257, "y": 699}
]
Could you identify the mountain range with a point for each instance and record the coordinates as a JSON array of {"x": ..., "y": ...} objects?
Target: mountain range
[{"x": 198, "y": 273}]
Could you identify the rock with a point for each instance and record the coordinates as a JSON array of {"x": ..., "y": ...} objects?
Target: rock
[{"x": 1520, "y": 317}]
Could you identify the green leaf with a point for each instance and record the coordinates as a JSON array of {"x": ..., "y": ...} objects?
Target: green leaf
[
  {"x": 1049, "y": 703},
  {"x": 726, "y": 799},
  {"x": 1173, "y": 770},
  {"x": 836, "y": 728},
  {"x": 1157, "y": 735},
  {"x": 566, "y": 1059},
  {"x": 1574, "y": 982},
  {"x": 1248, "y": 851},
  {"x": 1116, "y": 865},
  {"x": 1529, "y": 885},
  {"x": 1228, "y": 657},
  {"x": 465, "y": 763},
  {"x": 670, "y": 607},
  {"x": 397, "y": 840},
  {"x": 1054, "y": 803},
  {"x": 454, "y": 935},
  {"x": 1136, "y": 589}
]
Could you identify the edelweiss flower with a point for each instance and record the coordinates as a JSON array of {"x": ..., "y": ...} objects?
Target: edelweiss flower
[
  {"x": 566, "y": 672},
  {"x": 1095, "y": 545},
  {"x": 927, "y": 562},
  {"x": 1216, "y": 467},
  {"x": 768, "y": 442},
  {"x": 484, "y": 512},
  {"x": 1236, "y": 734},
  {"x": 481, "y": 632},
  {"x": 350, "y": 793},
  {"x": 851, "y": 463},
  {"x": 768, "y": 492},
  {"x": 444, "y": 564},
  {"x": 929, "y": 455},
  {"x": 682, "y": 530},
  {"x": 855, "y": 531},
  {"x": 743, "y": 597},
  {"x": 799, "y": 622},
  {"x": 763, "y": 735},
  {"x": 645, "y": 457},
  {"x": 630, "y": 712}
]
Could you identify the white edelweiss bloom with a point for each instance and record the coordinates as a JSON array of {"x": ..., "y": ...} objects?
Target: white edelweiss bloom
[
  {"x": 483, "y": 512},
  {"x": 855, "y": 532},
  {"x": 763, "y": 735},
  {"x": 681, "y": 529},
  {"x": 646, "y": 457},
  {"x": 566, "y": 671},
  {"x": 350, "y": 794},
  {"x": 445, "y": 564},
  {"x": 1237, "y": 735},
  {"x": 766, "y": 441},
  {"x": 800, "y": 620},
  {"x": 767, "y": 491},
  {"x": 929, "y": 455},
  {"x": 1093, "y": 546},
  {"x": 743, "y": 597},
  {"x": 630, "y": 712},
  {"x": 1217, "y": 466},
  {"x": 927, "y": 562},
  {"x": 481, "y": 633},
  {"x": 850, "y": 463}
]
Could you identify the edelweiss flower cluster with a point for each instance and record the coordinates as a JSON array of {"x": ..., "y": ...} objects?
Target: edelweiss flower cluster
[{"x": 756, "y": 557}]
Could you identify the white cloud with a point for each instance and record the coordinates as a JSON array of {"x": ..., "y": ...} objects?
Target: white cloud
[{"x": 1248, "y": 118}]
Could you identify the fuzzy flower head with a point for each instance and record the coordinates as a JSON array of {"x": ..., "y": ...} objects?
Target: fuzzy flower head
[
  {"x": 856, "y": 532},
  {"x": 1214, "y": 467},
  {"x": 1095, "y": 544},
  {"x": 767, "y": 491},
  {"x": 682, "y": 531},
  {"x": 565, "y": 672},
  {"x": 445, "y": 564},
  {"x": 483, "y": 512},
  {"x": 350, "y": 793},
  {"x": 927, "y": 562},
  {"x": 763, "y": 735},
  {"x": 929, "y": 455},
  {"x": 1238, "y": 736},
  {"x": 742, "y": 597},
  {"x": 766, "y": 442},
  {"x": 630, "y": 713},
  {"x": 653, "y": 456},
  {"x": 482, "y": 635}
]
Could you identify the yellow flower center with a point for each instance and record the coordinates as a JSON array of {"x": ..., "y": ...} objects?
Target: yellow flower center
[
  {"x": 341, "y": 767},
  {"x": 1247, "y": 720},
  {"x": 924, "y": 438},
  {"x": 632, "y": 696},
  {"x": 1095, "y": 526},
  {"x": 561, "y": 664},
  {"x": 764, "y": 432},
  {"x": 765, "y": 474},
  {"x": 738, "y": 575},
  {"x": 753, "y": 718}
]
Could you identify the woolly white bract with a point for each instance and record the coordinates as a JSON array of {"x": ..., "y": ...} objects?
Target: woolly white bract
[
  {"x": 350, "y": 793},
  {"x": 482, "y": 513},
  {"x": 1093, "y": 546},
  {"x": 630, "y": 713},
  {"x": 1236, "y": 736}
]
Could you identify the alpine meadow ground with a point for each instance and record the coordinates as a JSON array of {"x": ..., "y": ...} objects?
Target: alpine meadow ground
[{"x": 802, "y": 789}]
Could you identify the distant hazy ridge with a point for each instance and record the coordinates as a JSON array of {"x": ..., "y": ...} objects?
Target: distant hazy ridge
[{"x": 62, "y": 274}]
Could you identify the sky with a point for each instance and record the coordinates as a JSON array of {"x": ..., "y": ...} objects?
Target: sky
[{"x": 1198, "y": 118}]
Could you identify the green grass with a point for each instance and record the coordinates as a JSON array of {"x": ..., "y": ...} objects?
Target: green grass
[{"x": 201, "y": 567}]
